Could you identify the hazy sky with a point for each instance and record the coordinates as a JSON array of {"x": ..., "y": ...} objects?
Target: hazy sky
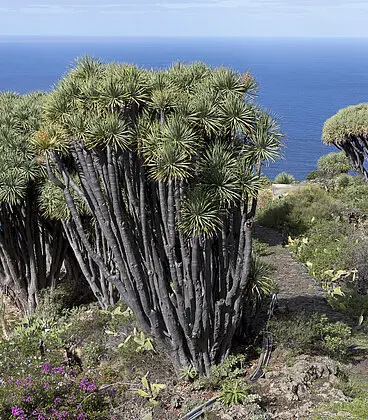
[{"x": 330, "y": 18}]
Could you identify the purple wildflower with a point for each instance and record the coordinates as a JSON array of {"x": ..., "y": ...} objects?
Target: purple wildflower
[
  {"x": 58, "y": 370},
  {"x": 87, "y": 386},
  {"x": 17, "y": 411},
  {"x": 46, "y": 368}
]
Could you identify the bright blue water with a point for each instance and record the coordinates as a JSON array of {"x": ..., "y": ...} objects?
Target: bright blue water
[{"x": 303, "y": 81}]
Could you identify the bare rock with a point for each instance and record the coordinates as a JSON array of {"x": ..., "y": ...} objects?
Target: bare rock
[{"x": 293, "y": 392}]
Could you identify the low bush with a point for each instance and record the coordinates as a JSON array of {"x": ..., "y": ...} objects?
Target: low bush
[
  {"x": 56, "y": 393},
  {"x": 315, "y": 175},
  {"x": 297, "y": 212},
  {"x": 325, "y": 248},
  {"x": 232, "y": 368},
  {"x": 334, "y": 163},
  {"x": 312, "y": 334},
  {"x": 284, "y": 178}
]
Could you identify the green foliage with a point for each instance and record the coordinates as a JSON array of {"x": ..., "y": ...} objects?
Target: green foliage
[
  {"x": 355, "y": 409},
  {"x": 353, "y": 194},
  {"x": 233, "y": 393},
  {"x": 260, "y": 284},
  {"x": 357, "y": 389},
  {"x": 352, "y": 303},
  {"x": 315, "y": 175},
  {"x": 334, "y": 163},
  {"x": 260, "y": 249},
  {"x": 284, "y": 178},
  {"x": 232, "y": 368},
  {"x": 312, "y": 334},
  {"x": 348, "y": 130},
  {"x": 325, "y": 248},
  {"x": 264, "y": 143},
  {"x": 188, "y": 373},
  {"x": 19, "y": 117},
  {"x": 150, "y": 390},
  {"x": 342, "y": 181},
  {"x": 298, "y": 211},
  {"x": 348, "y": 121},
  {"x": 143, "y": 343}
]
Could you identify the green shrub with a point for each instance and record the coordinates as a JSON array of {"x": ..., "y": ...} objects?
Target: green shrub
[
  {"x": 232, "y": 368},
  {"x": 284, "y": 178},
  {"x": 325, "y": 248},
  {"x": 334, "y": 163},
  {"x": 352, "y": 303},
  {"x": 313, "y": 334},
  {"x": 343, "y": 181},
  {"x": 298, "y": 211},
  {"x": 354, "y": 195},
  {"x": 355, "y": 409},
  {"x": 233, "y": 393},
  {"x": 315, "y": 175}
]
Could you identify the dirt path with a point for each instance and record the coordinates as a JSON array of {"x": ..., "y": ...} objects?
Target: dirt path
[{"x": 298, "y": 291}]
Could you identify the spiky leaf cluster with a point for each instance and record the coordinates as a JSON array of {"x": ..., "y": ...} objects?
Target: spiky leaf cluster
[
  {"x": 190, "y": 123},
  {"x": 351, "y": 121},
  {"x": 19, "y": 117},
  {"x": 348, "y": 131}
]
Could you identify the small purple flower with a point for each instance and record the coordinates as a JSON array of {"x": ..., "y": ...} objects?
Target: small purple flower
[
  {"x": 57, "y": 401},
  {"x": 112, "y": 391},
  {"x": 58, "y": 370},
  {"x": 28, "y": 399},
  {"x": 87, "y": 386},
  {"x": 46, "y": 368},
  {"x": 17, "y": 411}
]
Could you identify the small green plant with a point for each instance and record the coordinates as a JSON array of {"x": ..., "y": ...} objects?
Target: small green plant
[
  {"x": 230, "y": 369},
  {"x": 144, "y": 343},
  {"x": 150, "y": 391},
  {"x": 284, "y": 178},
  {"x": 260, "y": 284},
  {"x": 189, "y": 373},
  {"x": 233, "y": 392}
]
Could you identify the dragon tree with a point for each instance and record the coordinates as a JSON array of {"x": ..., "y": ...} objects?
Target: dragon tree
[
  {"x": 159, "y": 171},
  {"x": 33, "y": 249},
  {"x": 348, "y": 131}
]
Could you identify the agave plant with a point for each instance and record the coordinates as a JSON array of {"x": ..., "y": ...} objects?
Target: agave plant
[{"x": 168, "y": 182}]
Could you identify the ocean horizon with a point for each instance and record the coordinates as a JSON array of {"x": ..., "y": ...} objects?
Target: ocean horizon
[{"x": 303, "y": 81}]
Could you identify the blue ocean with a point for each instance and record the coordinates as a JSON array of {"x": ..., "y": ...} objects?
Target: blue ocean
[{"x": 302, "y": 81}]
